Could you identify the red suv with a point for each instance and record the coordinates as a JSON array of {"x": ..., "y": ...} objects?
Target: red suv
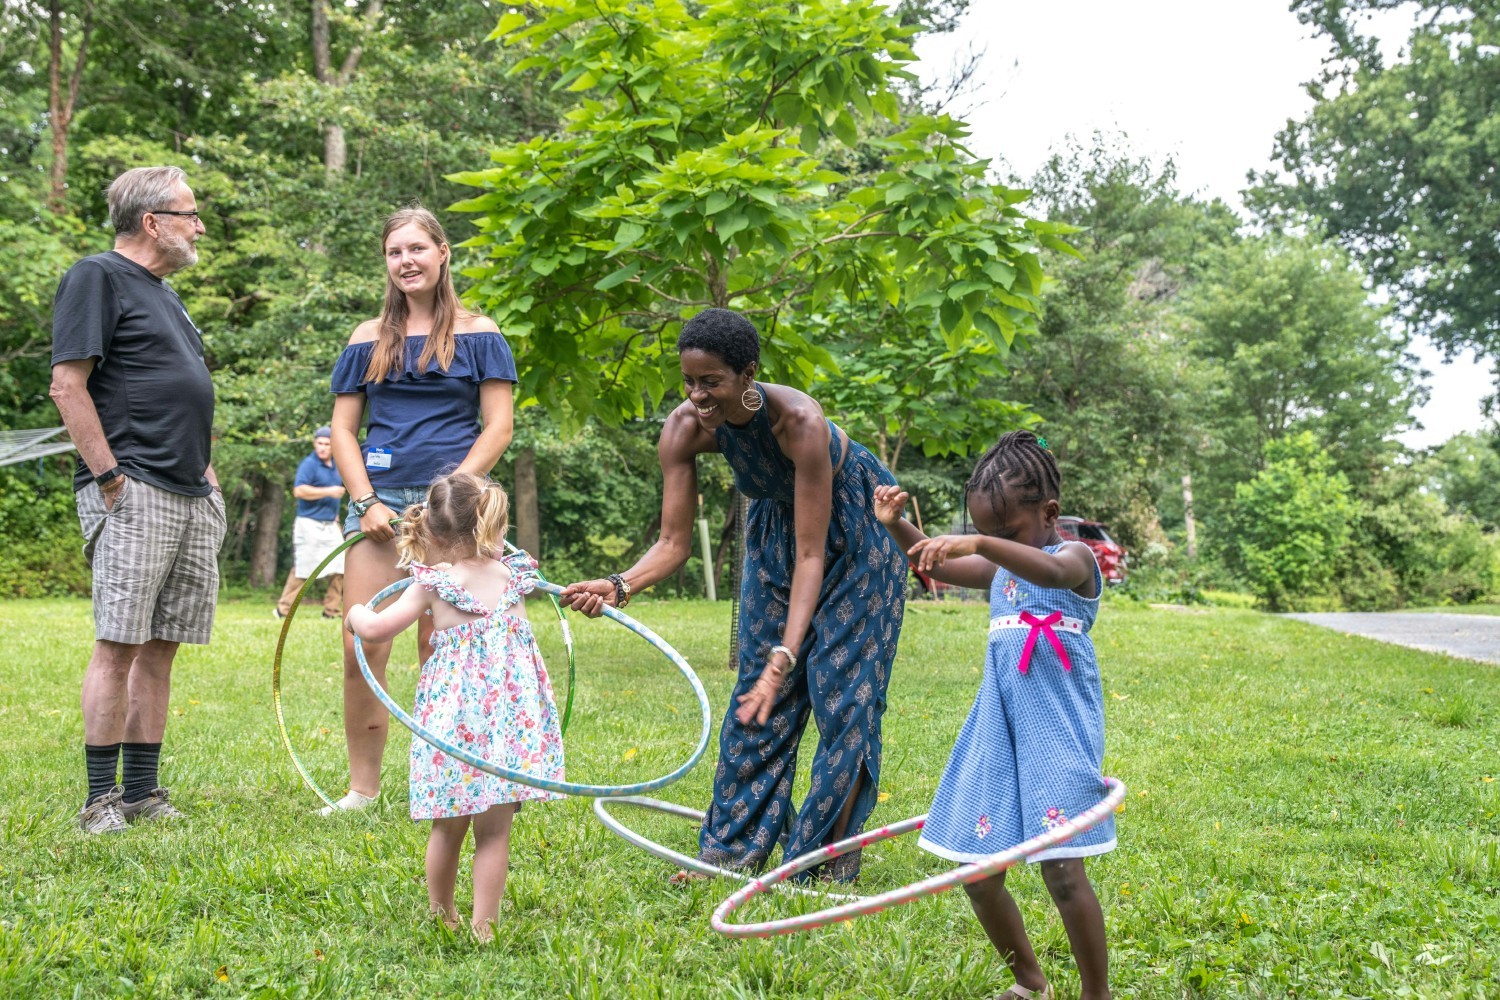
[{"x": 1112, "y": 558}]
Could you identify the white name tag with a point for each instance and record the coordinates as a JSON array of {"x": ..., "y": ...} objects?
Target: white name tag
[{"x": 378, "y": 458}]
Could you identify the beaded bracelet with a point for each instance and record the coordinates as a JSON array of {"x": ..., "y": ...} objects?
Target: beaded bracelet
[
  {"x": 622, "y": 590},
  {"x": 791, "y": 660}
]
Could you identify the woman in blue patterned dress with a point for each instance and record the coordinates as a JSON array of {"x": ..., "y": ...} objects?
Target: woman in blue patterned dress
[
  {"x": 1031, "y": 752},
  {"x": 821, "y": 603}
]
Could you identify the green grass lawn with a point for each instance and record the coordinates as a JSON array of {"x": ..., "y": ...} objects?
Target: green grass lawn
[
  {"x": 1310, "y": 815},
  {"x": 1487, "y": 608}
]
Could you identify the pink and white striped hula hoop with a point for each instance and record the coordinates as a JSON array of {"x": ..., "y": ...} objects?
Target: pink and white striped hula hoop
[{"x": 992, "y": 865}]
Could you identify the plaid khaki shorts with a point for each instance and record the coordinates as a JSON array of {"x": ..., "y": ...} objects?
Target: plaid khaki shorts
[{"x": 155, "y": 561}]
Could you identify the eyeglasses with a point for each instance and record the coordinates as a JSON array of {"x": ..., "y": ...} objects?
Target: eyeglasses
[{"x": 164, "y": 211}]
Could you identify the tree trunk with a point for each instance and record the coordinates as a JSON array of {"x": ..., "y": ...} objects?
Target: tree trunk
[
  {"x": 1187, "y": 515},
  {"x": 335, "y": 152},
  {"x": 729, "y": 537},
  {"x": 269, "y": 497},
  {"x": 528, "y": 513},
  {"x": 335, "y": 145},
  {"x": 59, "y": 105}
]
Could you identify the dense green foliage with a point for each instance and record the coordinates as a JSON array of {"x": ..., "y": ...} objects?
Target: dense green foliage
[
  {"x": 1397, "y": 159},
  {"x": 778, "y": 159},
  {"x": 690, "y": 173},
  {"x": 1291, "y": 522},
  {"x": 1310, "y": 815}
]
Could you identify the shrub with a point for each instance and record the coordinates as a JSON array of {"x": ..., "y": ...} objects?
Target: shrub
[
  {"x": 42, "y": 554},
  {"x": 1291, "y": 523}
]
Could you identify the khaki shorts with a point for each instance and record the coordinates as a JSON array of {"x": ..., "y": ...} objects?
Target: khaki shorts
[{"x": 155, "y": 561}]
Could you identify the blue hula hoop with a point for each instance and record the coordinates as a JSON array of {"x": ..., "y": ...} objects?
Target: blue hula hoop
[{"x": 547, "y": 785}]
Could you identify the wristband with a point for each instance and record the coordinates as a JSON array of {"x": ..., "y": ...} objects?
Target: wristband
[
  {"x": 622, "y": 590},
  {"x": 361, "y": 505},
  {"x": 108, "y": 476},
  {"x": 791, "y": 660}
]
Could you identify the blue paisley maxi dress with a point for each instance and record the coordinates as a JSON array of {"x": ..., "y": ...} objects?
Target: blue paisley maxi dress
[
  {"x": 486, "y": 690},
  {"x": 843, "y": 666}
]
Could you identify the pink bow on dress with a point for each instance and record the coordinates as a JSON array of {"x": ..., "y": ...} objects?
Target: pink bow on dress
[{"x": 1043, "y": 626}]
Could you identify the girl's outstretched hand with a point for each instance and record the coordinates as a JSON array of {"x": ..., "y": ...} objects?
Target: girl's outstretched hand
[
  {"x": 890, "y": 502},
  {"x": 588, "y": 597},
  {"x": 931, "y": 552}
]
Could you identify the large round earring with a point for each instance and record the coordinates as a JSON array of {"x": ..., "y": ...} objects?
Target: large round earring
[{"x": 751, "y": 399}]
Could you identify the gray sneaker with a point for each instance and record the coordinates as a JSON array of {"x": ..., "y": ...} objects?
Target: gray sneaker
[
  {"x": 153, "y": 806},
  {"x": 103, "y": 814}
]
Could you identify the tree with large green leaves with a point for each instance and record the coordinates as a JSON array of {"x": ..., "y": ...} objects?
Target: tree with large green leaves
[
  {"x": 1398, "y": 160},
  {"x": 688, "y": 175}
]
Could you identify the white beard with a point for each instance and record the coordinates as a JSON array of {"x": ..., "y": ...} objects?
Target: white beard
[{"x": 178, "y": 249}]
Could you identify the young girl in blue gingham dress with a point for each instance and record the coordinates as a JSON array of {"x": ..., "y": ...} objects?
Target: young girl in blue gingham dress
[{"x": 1030, "y": 755}]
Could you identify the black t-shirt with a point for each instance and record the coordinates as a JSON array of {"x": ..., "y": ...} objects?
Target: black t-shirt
[{"x": 151, "y": 388}]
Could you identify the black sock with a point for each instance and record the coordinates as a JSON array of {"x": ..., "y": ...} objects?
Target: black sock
[
  {"x": 140, "y": 769},
  {"x": 103, "y": 764}
]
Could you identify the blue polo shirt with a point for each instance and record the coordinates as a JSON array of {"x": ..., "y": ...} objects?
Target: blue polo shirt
[
  {"x": 314, "y": 473},
  {"x": 421, "y": 424}
]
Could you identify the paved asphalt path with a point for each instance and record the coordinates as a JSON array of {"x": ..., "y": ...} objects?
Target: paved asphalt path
[{"x": 1473, "y": 637}]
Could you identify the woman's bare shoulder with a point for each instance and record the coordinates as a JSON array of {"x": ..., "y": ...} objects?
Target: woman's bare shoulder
[
  {"x": 793, "y": 408},
  {"x": 683, "y": 436},
  {"x": 367, "y": 331},
  {"x": 468, "y": 322}
]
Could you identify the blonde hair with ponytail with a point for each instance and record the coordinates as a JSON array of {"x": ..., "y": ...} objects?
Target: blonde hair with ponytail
[{"x": 465, "y": 516}]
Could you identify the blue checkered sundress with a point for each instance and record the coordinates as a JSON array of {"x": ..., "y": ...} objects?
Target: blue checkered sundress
[
  {"x": 1031, "y": 753},
  {"x": 843, "y": 666}
]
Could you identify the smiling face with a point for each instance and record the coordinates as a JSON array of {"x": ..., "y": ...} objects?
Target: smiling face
[
  {"x": 414, "y": 260},
  {"x": 714, "y": 388},
  {"x": 1034, "y": 525}
]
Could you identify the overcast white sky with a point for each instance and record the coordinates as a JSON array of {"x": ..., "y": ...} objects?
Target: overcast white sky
[{"x": 1208, "y": 84}]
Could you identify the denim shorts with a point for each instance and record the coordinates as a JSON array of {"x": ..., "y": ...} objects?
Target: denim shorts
[{"x": 397, "y": 498}]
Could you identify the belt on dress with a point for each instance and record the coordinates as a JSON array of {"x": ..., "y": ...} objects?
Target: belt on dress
[{"x": 1040, "y": 626}]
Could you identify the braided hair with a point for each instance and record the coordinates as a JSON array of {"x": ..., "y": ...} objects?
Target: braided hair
[{"x": 1017, "y": 462}]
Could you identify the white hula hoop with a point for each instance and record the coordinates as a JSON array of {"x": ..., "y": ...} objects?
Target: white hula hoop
[
  {"x": 992, "y": 865},
  {"x": 682, "y": 860}
]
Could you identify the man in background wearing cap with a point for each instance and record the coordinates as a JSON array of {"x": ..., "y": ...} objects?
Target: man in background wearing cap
[{"x": 315, "y": 533}]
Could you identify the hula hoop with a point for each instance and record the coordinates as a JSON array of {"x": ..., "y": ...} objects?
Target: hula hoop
[
  {"x": 546, "y": 784},
  {"x": 974, "y": 872},
  {"x": 683, "y": 860},
  {"x": 286, "y": 625}
]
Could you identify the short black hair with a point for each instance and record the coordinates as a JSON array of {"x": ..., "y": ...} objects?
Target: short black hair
[
  {"x": 1020, "y": 462},
  {"x": 723, "y": 333}
]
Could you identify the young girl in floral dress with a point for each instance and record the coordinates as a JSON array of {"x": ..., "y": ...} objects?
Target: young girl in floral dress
[
  {"x": 1029, "y": 755},
  {"x": 484, "y": 689}
]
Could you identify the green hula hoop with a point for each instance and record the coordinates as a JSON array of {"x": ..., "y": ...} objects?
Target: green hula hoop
[{"x": 286, "y": 625}]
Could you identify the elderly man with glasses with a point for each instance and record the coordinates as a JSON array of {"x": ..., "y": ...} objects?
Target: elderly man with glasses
[{"x": 129, "y": 380}]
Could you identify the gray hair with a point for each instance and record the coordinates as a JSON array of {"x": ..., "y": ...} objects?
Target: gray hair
[{"x": 136, "y": 192}]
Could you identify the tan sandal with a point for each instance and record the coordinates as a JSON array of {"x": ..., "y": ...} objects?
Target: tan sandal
[{"x": 1017, "y": 990}]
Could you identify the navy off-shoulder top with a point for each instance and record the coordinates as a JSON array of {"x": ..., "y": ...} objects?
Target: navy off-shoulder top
[{"x": 421, "y": 424}]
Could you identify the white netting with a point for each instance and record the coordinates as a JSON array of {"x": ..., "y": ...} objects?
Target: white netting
[{"x": 18, "y": 446}]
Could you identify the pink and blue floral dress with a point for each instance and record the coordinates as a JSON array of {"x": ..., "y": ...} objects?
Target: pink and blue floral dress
[{"x": 486, "y": 690}]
